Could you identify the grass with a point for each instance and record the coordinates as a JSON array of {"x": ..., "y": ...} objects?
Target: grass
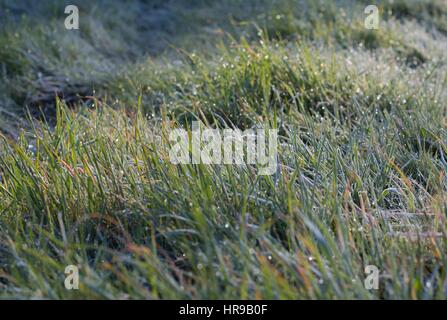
[{"x": 86, "y": 180}]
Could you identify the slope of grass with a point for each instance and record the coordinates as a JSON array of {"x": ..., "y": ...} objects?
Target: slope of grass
[{"x": 361, "y": 178}]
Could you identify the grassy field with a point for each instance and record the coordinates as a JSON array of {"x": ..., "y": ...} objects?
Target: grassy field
[{"x": 86, "y": 178}]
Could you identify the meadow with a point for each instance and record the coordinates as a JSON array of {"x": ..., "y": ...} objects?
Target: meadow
[{"x": 86, "y": 178}]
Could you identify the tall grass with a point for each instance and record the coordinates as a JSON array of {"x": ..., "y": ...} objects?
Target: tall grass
[{"x": 362, "y": 160}]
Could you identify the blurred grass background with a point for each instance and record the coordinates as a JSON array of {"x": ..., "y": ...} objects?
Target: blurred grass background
[{"x": 84, "y": 179}]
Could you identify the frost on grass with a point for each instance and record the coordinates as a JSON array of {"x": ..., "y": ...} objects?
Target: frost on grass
[{"x": 87, "y": 179}]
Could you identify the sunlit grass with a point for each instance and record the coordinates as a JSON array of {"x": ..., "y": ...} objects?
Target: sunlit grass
[{"x": 362, "y": 155}]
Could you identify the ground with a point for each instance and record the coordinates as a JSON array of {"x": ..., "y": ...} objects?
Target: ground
[{"x": 86, "y": 178}]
